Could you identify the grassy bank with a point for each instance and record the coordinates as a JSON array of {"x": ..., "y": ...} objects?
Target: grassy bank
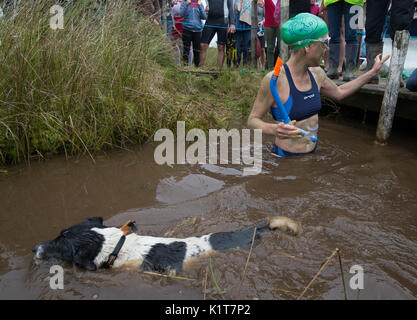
[{"x": 101, "y": 82}]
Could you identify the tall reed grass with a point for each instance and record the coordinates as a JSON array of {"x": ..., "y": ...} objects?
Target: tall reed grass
[{"x": 105, "y": 80}]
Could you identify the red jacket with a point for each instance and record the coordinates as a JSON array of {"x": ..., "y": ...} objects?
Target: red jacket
[{"x": 269, "y": 13}]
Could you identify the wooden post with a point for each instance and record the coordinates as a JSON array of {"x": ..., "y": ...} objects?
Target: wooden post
[
  {"x": 386, "y": 114},
  {"x": 254, "y": 32},
  {"x": 285, "y": 15}
]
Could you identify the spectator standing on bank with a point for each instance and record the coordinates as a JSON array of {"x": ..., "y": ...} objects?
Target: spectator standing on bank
[
  {"x": 402, "y": 12},
  {"x": 220, "y": 17},
  {"x": 323, "y": 14},
  {"x": 271, "y": 28},
  {"x": 243, "y": 29},
  {"x": 336, "y": 9},
  {"x": 193, "y": 12}
]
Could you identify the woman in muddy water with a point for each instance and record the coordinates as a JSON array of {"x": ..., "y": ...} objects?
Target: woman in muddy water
[{"x": 299, "y": 86}]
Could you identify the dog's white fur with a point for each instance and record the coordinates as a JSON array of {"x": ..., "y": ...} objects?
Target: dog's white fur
[{"x": 136, "y": 247}]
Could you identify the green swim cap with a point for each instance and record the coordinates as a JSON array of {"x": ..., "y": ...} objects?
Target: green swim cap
[{"x": 302, "y": 30}]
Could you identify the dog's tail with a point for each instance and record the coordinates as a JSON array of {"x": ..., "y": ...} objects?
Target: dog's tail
[{"x": 243, "y": 238}]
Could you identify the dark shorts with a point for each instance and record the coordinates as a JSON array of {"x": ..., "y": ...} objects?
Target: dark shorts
[{"x": 209, "y": 32}]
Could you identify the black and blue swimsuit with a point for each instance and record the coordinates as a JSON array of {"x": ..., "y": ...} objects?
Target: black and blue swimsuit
[{"x": 300, "y": 105}]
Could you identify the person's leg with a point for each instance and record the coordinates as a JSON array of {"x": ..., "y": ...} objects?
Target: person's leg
[
  {"x": 376, "y": 12},
  {"x": 234, "y": 49},
  {"x": 196, "y": 47},
  {"x": 342, "y": 47},
  {"x": 186, "y": 40},
  {"x": 180, "y": 46},
  {"x": 191, "y": 54},
  {"x": 221, "y": 45},
  {"x": 239, "y": 38},
  {"x": 206, "y": 37},
  {"x": 270, "y": 46},
  {"x": 401, "y": 16},
  {"x": 352, "y": 46},
  {"x": 413, "y": 29},
  {"x": 203, "y": 53},
  {"x": 262, "y": 56},
  {"x": 220, "y": 56},
  {"x": 245, "y": 47},
  {"x": 229, "y": 50},
  {"x": 334, "y": 15},
  {"x": 262, "y": 59},
  {"x": 177, "y": 51}
]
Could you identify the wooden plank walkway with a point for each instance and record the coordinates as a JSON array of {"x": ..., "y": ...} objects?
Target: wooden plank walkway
[{"x": 369, "y": 98}]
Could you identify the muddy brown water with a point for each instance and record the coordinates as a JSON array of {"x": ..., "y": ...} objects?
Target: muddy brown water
[{"x": 349, "y": 195}]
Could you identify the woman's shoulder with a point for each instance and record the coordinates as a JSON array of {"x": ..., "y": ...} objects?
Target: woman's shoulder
[
  {"x": 282, "y": 75},
  {"x": 319, "y": 75}
]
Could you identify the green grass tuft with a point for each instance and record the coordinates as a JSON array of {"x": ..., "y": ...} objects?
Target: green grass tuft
[{"x": 100, "y": 83}]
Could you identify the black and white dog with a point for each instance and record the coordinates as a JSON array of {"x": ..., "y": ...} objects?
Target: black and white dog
[{"x": 90, "y": 243}]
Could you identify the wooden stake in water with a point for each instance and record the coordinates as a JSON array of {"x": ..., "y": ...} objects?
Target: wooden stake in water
[
  {"x": 341, "y": 272},
  {"x": 336, "y": 251},
  {"x": 386, "y": 114},
  {"x": 318, "y": 273}
]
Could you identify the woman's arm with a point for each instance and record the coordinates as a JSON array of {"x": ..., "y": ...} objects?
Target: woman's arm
[
  {"x": 261, "y": 106},
  {"x": 331, "y": 90}
]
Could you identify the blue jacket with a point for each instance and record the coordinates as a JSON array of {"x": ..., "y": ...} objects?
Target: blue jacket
[{"x": 192, "y": 17}]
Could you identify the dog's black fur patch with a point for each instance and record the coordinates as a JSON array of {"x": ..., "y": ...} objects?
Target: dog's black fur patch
[
  {"x": 76, "y": 244},
  {"x": 237, "y": 239},
  {"x": 162, "y": 257}
]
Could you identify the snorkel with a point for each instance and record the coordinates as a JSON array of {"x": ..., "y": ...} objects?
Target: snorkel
[{"x": 281, "y": 109}]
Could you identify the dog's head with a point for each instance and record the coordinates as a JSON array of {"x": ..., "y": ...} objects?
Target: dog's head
[{"x": 77, "y": 244}]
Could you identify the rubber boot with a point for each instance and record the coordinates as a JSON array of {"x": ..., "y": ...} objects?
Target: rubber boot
[
  {"x": 351, "y": 58},
  {"x": 372, "y": 50},
  {"x": 334, "y": 56}
]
